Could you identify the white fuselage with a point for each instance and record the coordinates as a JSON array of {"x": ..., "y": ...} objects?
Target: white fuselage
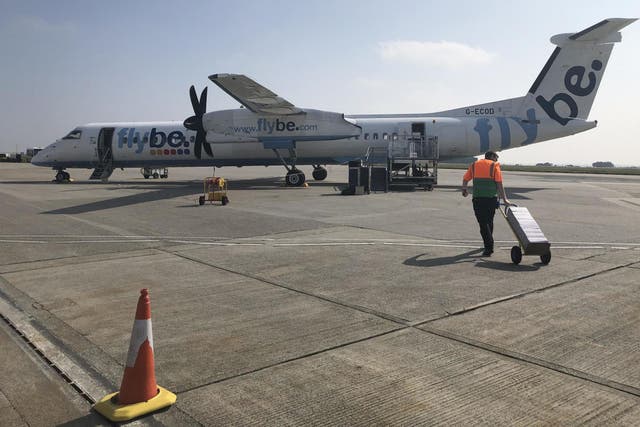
[{"x": 167, "y": 144}]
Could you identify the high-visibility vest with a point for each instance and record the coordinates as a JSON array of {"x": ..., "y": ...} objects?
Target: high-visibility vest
[{"x": 485, "y": 174}]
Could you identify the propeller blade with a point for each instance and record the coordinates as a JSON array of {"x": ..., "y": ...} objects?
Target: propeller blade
[
  {"x": 194, "y": 99},
  {"x": 207, "y": 148},
  {"x": 198, "y": 148},
  {"x": 203, "y": 102}
]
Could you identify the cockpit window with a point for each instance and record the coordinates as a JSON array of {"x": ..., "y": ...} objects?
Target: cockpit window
[{"x": 74, "y": 134}]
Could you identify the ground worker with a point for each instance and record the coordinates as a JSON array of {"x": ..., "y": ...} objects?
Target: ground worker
[{"x": 487, "y": 183}]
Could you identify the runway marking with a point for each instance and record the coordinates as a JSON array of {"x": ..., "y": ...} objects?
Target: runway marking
[
  {"x": 299, "y": 241},
  {"x": 308, "y": 241}
]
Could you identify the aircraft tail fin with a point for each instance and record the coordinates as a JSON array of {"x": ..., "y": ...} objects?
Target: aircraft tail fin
[{"x": 567, "y": 85}]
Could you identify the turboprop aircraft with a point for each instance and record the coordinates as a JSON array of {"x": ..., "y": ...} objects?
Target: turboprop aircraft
[{"x": 268, "y": 130}]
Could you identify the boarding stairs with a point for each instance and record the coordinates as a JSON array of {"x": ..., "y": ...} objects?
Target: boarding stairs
[{"x": 104, "y": 169}]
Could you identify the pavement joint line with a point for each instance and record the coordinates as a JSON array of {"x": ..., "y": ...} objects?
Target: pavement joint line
[
  {"x": 59, "y": 363},
  {"x": 15, "y": 410},
  {"x": 294, "y": 359},
  {"x": 362, "y": 309},
  {"x": 118, "y": 255},
  {"x": 624, "y": 388},
  {"x": 522, "y": 294}
]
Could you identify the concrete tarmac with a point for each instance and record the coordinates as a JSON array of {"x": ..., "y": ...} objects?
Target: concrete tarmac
[{"x": 299, "y": 306}]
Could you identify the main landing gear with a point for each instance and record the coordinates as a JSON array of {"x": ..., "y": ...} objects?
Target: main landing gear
[
  {"x": 62, "y": 176},
  {"x": 319, "y": 173},
  {"x": 295, "y": 177}
]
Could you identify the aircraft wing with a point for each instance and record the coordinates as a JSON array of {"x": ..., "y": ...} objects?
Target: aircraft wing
[{"x": 254, "y": 96}]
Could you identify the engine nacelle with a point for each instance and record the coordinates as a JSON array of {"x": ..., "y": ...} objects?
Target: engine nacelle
[{"x": 242, "y": 125}]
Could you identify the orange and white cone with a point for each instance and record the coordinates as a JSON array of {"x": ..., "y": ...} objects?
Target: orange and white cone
[
  {"x": 139, "y": 394},
  {"x": 139, "y": 379}
]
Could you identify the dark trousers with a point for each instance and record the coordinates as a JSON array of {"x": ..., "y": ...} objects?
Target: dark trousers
[{"x": 485, "y": 209}]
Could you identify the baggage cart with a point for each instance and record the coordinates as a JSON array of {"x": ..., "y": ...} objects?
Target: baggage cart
[
  {"x": 215, "y": 190},
  {"x": 531, "y": 240}
]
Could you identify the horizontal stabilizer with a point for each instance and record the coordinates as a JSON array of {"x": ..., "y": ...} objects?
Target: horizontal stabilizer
[{"x": 602, "y": 32}]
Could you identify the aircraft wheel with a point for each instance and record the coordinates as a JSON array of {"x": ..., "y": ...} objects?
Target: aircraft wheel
[
  {"x": 146, "y": 176},
  {"x": 295, "y": 178},
  {"x": 516, "y": 255},
  {"x": 156, "y": 175},
  {"x": 60, "y": 176},
  {"x": 67, "y": 176},
  {"x": 546, "y": 258},
  {"x": 319, "y": 174}
]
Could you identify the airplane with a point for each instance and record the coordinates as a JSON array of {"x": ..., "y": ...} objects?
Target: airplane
[{"x": 269, "y": 130}]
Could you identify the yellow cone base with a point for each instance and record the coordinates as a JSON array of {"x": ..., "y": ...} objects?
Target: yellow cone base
[{"x": 116, "y": 412}]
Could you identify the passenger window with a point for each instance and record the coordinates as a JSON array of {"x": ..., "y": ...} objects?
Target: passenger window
[
  {"x": 366, "y": 136},
  {"x": 74, "y": 134},
  {"x": 385, "y": 136},
  {"x": 357, "y": 136},
  {"x": 375, "y": 135},
  {"x": 394, "y": 136}
]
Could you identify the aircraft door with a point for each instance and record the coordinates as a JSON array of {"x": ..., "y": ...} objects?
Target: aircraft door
[
  {"x": 418, "y": 128},
  {"x": 105, "y": 140}
]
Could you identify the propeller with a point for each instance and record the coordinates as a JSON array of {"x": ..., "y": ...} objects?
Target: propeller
[{"x": 195, "y": 122}]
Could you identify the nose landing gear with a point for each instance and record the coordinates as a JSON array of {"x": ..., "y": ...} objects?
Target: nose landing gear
[
  {"x": 62, "y": 176},
  {"x": 295, "y": 177}
]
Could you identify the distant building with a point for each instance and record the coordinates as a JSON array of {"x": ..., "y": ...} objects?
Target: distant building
[
  {"x": 544, "y": 164},
  {"x": 33, "y": 151},
  {"x": 602, "y": 165}
]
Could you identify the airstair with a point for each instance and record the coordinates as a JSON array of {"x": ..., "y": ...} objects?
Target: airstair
[{"x": 104, "y": 169}]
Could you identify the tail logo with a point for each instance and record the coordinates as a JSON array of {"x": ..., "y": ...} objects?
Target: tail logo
[{"x": 573, "y": 82}]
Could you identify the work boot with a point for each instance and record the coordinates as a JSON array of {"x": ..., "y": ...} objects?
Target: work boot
[{"x": 487, "y": 252}]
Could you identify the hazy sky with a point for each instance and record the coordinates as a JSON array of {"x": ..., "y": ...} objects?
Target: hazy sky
[{"x": 65, "y": 63}]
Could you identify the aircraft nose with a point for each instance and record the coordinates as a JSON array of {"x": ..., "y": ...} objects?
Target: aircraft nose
[
  {"x": 38, "y": 158},
  {"x": 42, "y": 157}
]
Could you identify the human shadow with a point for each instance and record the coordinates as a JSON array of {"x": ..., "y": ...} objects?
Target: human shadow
[
  {"x": 473, "y": 256},
  {"x": 419, "y": 261}
]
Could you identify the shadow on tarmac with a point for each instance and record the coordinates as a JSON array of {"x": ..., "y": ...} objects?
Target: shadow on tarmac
[
  {"x": 155, "y": 191},
  {"x": 162, "y": 190},
  {"x": 470, "y": 256},
  {"x": 91, "y": 419}
]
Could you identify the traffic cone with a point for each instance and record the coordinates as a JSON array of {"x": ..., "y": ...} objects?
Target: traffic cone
[{"x": 139, "y": 394}]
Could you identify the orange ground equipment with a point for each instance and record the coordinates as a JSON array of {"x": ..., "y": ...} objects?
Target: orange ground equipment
[
  {"x": 215, "y": 190},
  {"x": 139, "y": 394}
]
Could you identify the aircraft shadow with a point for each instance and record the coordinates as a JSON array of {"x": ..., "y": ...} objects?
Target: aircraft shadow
[
  {"x": 470, "y": 256},
  {"x": 163, "y": 190}
]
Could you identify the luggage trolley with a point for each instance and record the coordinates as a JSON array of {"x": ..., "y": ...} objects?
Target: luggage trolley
[
  {"x": 530, "y": 238},
  {"x": 215, "y": 190}
]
